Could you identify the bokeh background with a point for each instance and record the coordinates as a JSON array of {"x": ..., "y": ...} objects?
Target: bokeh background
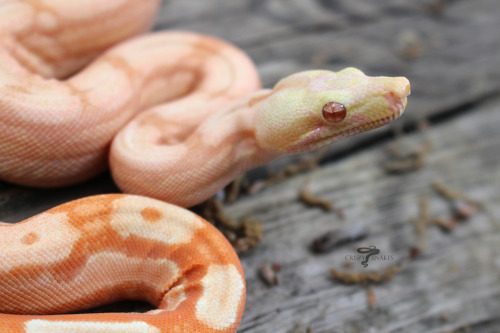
[{"x": 448, "y": 280}]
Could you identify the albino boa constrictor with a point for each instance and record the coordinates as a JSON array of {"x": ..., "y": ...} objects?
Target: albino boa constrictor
[
  {"x": 105, "y": 248},
  {"x": 202, "y": 122}
]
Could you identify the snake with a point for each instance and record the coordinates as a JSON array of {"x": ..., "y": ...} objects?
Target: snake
[
  {"x": 110, "y": 247},
  {"x": 176, "y": 116}
]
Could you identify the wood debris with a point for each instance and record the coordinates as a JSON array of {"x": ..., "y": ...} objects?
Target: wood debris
[
  {"x": 452, "y": 195},
  {"x": 269, "y": 274},
  {"x": 462, "y": 206},
  {"x": 213, "y": 211},
  {"x": 379, "y": 276},
  {"x": 305, "y": 163},
  {"x": 446, "y": 224},
  {"x": 463, "y": 209},
  {"x": 234, "y": 189},
  {"x": 420, "y": 224},
  {"x": 371, "y": 298},
  {"x": 311, "y": 200},
  {"x": 244, "y": 235}
]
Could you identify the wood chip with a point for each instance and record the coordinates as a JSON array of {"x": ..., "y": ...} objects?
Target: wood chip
[
  {"x": 269, "y": 275},
  {"x": 379, "y": 276},
  {"x": 421, "y": 222},
  {"x": 446, "y": 224},
  {"x": 452, "y": 194},
  {"x": 371, "y": 298},
  {"x": 311, "y": 200},
  {"x": 234, "y": 189},
  {"x": 463, "y": 209},
  {"x": 244, "y": 235}
]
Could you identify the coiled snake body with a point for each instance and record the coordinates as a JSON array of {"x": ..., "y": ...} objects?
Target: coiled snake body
[
  {"x": 203, "y": 121},
  {"x": 105, "y": 248}
]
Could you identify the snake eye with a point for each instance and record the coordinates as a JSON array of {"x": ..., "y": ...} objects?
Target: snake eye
[{"x": 334, "y": 112}]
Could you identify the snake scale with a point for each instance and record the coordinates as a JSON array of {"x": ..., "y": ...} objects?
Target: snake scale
[{"x": 73, "y": 78}]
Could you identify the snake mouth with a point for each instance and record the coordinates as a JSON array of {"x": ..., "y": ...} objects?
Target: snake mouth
[
  {"x": 323, "y": 134},
  {"x": 398, "y": 107}
]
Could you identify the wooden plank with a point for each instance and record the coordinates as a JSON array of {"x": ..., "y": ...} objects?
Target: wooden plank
[
  {"x": 453, "y": 69},
  {"x": 455, "y": 268}
]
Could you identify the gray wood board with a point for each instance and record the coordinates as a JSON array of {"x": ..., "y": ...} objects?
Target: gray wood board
[
  {"x": 457, "y": 276},
  {"x": 454, "y": 67}
]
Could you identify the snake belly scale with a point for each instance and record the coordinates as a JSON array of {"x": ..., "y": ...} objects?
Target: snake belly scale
[{"x": 176, "y": 116}]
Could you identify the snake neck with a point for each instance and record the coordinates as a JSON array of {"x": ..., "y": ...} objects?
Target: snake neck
[
  {"x": 232, "y": 133},
  {"x": 189, "y": 166}
]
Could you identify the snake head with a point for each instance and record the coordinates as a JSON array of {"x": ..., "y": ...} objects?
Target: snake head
[{"x": 308, "y": 110}]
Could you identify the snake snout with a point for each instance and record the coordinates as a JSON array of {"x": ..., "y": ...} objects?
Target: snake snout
[{"x": 397, "y": 95}]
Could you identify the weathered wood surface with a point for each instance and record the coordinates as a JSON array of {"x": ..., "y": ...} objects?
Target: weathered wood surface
[{"x": 450, "y": 51}]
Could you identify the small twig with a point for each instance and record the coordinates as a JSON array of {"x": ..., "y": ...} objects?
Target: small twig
[
  {"x": 462, "y": 209},
  {"x": 234, "y": 189},
  {"x": 379, "y": 276},
  {"x": 445, "y": 224},
  {"x": 311, "y": 200},
  {"x": 463, "y": 205},
  {"x": 252, "y": 228},
  {"x": 269, "y": 274},
  {"x": 214, "y": 211},
  {"x": 451, "y": 194},
  {"x": 371, "y": 298},
  {"x": 421, "y": 223},
  {"x": 243, "y": 236},
  {"x": 251, "y": 231}
]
